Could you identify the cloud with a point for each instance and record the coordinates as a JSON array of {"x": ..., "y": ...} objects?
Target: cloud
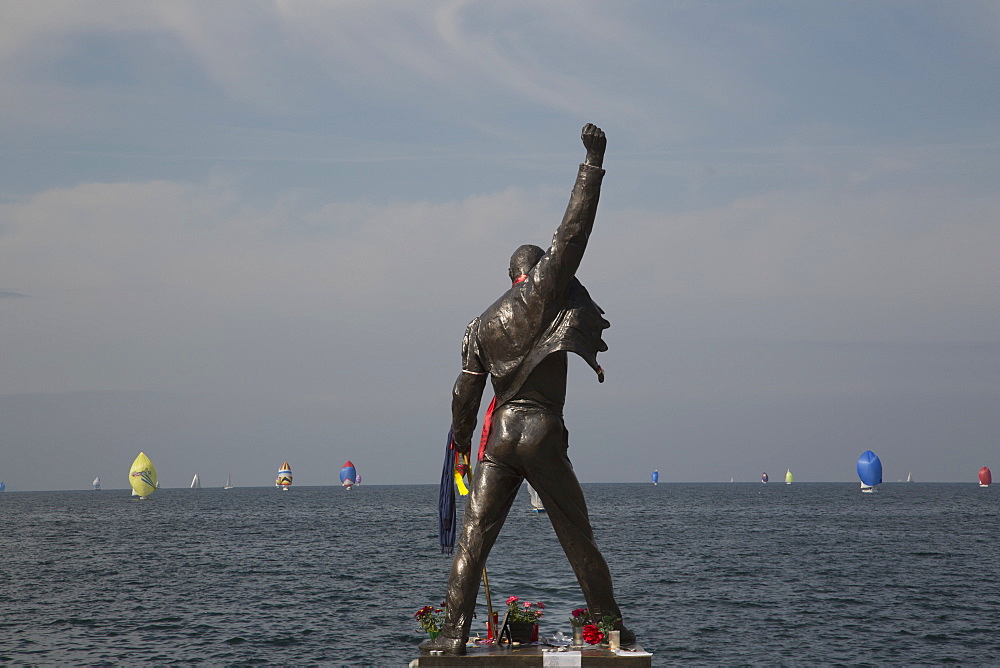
[
  {"x": 469, "y": 63},
  {"x": 167, "y": 270},
  {"x": 306, "y": 202}
]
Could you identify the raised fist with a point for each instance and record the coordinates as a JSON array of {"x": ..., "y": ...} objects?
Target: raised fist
[{"x": 595, "y": 143}]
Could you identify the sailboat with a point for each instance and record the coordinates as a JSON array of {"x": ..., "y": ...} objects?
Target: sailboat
[
  {"x": 536, "y": 501},
  {"x": 229, "y": 481},
  {"x": 97, "y": 484},
  {"x": 357, "y": 480},
  {"x": 142, "y": 476},
  {"x": 909, "y": 477},
  {"x": 2, "y": 486},
  {"x": 870, "y": 471},
  {"x": 347, "y": 474},
  {"x": 788, "y": 477},
  {"x": 985, "y": 477},
  {"x": 763, "y": 477},
  {"x": 195, "y": 482},
  {"x": 284, "y": 480},
  {"x": 730, "y": 479},
  {"x": 656, "y": 477}
]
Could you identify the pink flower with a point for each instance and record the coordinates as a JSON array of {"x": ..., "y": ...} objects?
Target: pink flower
[
  {"x": 512, "y": 600},
  {"x": 540, "y": 605},
  {"x": 527, "y": 605}
]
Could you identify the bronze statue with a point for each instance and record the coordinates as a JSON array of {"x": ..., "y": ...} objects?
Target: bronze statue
[{"x": 521, "y": 342}]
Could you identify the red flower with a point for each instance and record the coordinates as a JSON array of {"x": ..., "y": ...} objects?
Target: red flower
[
  {"x": 540, "y": 605},
  {"x": 512, "y": 599},
  {"x": 591, "y": 634}
]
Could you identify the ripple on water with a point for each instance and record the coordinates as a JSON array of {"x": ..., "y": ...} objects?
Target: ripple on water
[{"x": 706, "y": 574}]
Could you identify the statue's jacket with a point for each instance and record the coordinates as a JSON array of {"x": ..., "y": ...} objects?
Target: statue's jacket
[{"x": 548, "y": 312}]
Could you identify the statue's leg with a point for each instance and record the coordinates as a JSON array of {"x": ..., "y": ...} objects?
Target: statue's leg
[
  {"x": 494, "y": 488},
  {"x": 551, "y": 473}
]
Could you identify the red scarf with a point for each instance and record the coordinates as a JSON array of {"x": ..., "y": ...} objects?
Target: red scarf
[{"x": 488, "y": 418}]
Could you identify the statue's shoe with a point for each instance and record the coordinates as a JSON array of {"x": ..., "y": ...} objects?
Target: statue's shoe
[
  {"x": 627, "y": 637},
  {"x": 444, "y": 644}
]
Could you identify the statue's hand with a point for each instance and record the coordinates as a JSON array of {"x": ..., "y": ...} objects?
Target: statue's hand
[
  {"x": 595, "y": 143},
  {"x": 463, "y": 448}
]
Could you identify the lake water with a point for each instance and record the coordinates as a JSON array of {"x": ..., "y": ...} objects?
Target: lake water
[{"x": 706, "y": 574}]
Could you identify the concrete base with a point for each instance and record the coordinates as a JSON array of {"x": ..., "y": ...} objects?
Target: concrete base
[{"x": 488, "y": 656}]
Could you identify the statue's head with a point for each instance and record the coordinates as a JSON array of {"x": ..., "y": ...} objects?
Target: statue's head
[{"x": 523, "y": 259}]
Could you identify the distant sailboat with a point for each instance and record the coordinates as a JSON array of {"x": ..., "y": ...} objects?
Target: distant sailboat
[
  {"x": 348, "y": 474},
  {"x": 284, "y": 480},
  {"x": 536, "y": 501},
  {"x": 763, "y": 477},
  {"x": 870, "y": 471},
  {"x": 656, "y": 477},
  {"x": 357, "y": 479},
  {"x": 788, "y": 477},
  {"x": 142, "y": 476},
  {"x": 985, "y": 477},
  {"x": 229, "y": 482},
  {"x": 2, "y": 486},
  {"x": 97, "y": 484},
  {"x": 730, "y": 480},
  {"x": 195, "y": 482},
  {"x": 909, "y": 477}
]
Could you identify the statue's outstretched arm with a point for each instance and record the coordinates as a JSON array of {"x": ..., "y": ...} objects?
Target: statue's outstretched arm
[{"x": 552, "y": 274}]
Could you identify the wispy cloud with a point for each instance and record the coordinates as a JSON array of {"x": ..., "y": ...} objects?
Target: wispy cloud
[{"x": 307, "y": 202}]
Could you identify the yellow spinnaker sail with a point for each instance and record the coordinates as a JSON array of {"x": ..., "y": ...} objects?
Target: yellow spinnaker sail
[{"x": 142, "y": 477}]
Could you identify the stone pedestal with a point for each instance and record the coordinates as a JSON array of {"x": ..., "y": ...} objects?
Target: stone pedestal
[{"x": 490, "y": 656}]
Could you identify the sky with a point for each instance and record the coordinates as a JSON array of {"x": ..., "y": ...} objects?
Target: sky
[{"x": 238, "y": 233}]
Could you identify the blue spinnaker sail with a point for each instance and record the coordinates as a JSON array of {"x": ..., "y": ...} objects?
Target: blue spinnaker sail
[
  {"x": 870, "y": 468},
  {"x": 348, "y": 473},
  {"x": 656, "y": 477}
]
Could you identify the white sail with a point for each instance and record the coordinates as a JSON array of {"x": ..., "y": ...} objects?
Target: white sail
[
  {"x": 229, "y": 482},
  {"x": 97, "y": 483},
  {"x": 195, "y": 482},
  {"x": 536, "y": 501}
]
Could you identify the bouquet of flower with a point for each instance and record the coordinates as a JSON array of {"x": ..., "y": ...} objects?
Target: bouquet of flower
[
  {"x": 581, "y": 617},
  {"x": 594, "y": 633},
  {"x": 524, "y": 612},
  {"x": 430, "y": 618}
]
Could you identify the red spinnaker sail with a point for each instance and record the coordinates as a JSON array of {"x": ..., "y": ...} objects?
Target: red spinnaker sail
[{"x": 985, "y": 477}]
